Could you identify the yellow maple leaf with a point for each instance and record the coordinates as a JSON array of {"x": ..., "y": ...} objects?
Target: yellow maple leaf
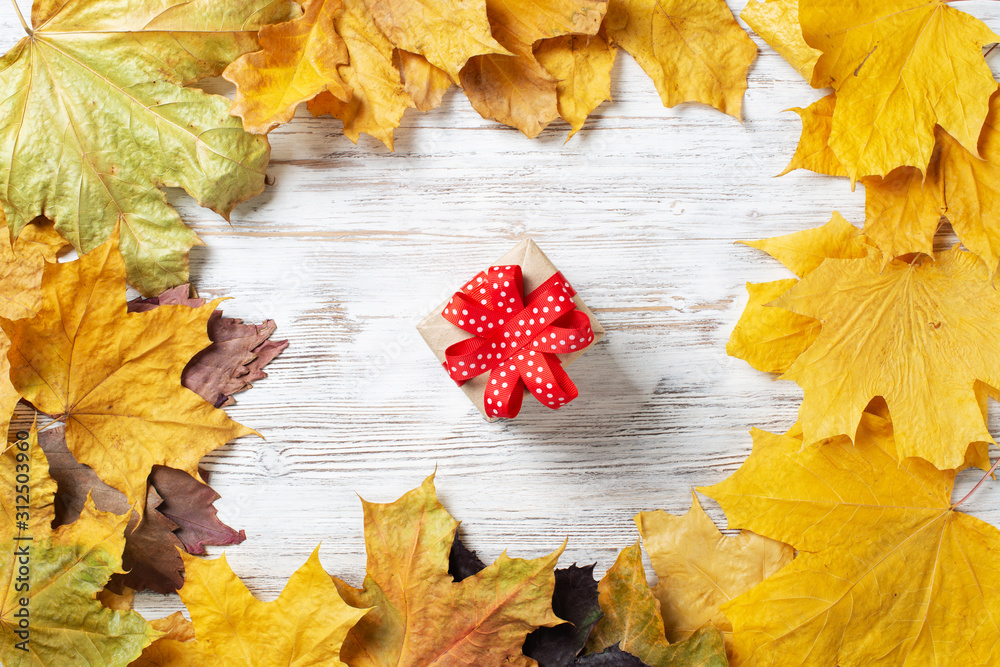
[
  {"x": 699, "y": 569},
  {"x": 298, "y": 60},
  {"x": 903, "y": 211},
  {"x": 175, "y": 626},
  {"x": 887, "y": 572},
  {"x": 970, "y": 189},
  {"x": 174, "y": 648},
  {"x": 9, "y": 395},
  {"x": 21, "y": 266},
  {"x": 632, "y": 621},
  {"x": 803, "y": 252},
  {"x": 24, "y": 462},
  {"x": 423, "y": 82},
  {"x": 693, "y": 51},
  {"x": 777, "y": 22},
  {"x": 115, "y": 377},
  {"x": 813, "y": 151},
  {"x": 41, "y": 238},
  {"x": 118, "y": 601},
  {"x": 515, "y": 89},
  {"x": 767, "y": 337},
  {"x": 524, "y": 22},
  {"x": 581, "y": 66},
  {"x": 917, "y": 334},
  {"x": 378, "y": 98},
  {"x": 419, "y": 614},
  {"x": 446, "y": 38},
  {"x": 770, "y": 338},
  {"x": 306, "y": 625},
  {"x": 895, "y": 64}
]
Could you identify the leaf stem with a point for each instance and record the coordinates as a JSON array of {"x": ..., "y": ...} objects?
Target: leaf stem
[
  {"x": 24, "y": 24},
  {"x": 978, "y": 484},
  {"x": 52, "y": 423}
]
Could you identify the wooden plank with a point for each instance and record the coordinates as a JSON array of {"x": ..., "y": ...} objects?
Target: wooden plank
[{"x": 351, "y": 246}]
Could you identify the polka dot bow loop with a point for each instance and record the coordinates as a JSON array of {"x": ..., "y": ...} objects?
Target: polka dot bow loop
[{"x": 516, "y": 340}]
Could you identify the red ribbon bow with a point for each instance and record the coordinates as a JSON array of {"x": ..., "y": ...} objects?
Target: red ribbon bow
[{"x": 516, "y": 340}]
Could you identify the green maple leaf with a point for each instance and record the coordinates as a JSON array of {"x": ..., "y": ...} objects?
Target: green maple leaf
[
  {"x": 58, "y": 574},
  {"x": 97, "y": 121}
]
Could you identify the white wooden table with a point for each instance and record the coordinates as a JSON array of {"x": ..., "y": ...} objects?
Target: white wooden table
[{"x": 351, "y": 246}]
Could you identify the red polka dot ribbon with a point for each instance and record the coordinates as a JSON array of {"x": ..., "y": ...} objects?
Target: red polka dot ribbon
[{"x": 516, "y": 340}]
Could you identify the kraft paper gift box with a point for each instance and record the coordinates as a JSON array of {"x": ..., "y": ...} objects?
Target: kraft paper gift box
[{"x": 537, "y": 271}]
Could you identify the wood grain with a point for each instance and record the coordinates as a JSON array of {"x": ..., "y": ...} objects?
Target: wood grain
[{"x": 351, "y": 246}]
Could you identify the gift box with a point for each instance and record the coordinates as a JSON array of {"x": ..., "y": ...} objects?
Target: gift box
[{"x": 511, "y": 330}]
